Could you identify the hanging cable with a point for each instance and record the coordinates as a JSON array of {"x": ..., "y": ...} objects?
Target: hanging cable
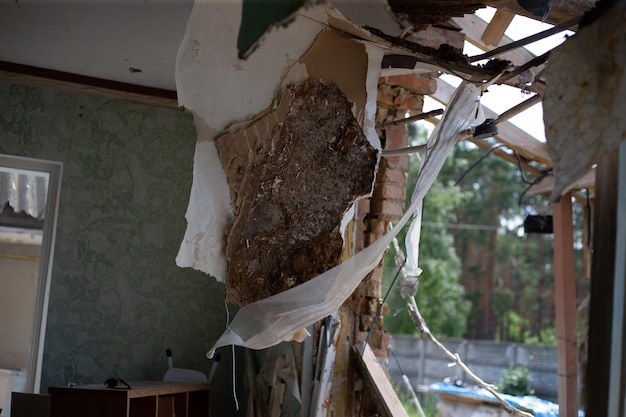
[
  {"x": 478, "y": 161},
  {"x": 408, "y": 385},
  {"x": 233, "y": 350},
  {"x": 530, "y": 183},
  {"x": 369, "y": 332}
]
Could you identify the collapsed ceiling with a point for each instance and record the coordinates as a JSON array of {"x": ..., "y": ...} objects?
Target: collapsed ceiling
[{"x": 326, "y": 66}]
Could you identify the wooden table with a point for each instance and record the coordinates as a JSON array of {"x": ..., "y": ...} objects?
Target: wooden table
[{"x": 145, "y": 399}]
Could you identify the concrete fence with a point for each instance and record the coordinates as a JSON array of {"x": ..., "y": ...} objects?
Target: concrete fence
[{"x": 423, "y": 363}]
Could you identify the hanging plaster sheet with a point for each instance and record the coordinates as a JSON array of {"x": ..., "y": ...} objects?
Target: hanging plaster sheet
[
  {"x": 219, "y": 88},
  {"x": 584, "y": 104},
  {"x": 280, "y": 317}
]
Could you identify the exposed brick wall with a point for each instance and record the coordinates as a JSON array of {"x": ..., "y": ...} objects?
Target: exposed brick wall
[{"x": 398, "y": 96}]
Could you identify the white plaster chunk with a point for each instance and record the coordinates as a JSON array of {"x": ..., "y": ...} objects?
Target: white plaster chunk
[
  {"x": 585, "y": 103},
  {"x": 210, "y": 213}
]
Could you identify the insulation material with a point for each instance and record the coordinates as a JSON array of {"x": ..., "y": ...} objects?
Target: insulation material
[
  {"x": 296, "y": 169},
  {"x": 293, "y": 172},
  {"x": 278, "y": 318},
  {"x": 219, "y": 88},
  {"x": 209, "y": 215},
  {"x": 584, "y": 104}
]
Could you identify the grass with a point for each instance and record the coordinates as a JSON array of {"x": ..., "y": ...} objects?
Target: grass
[{"x": 427, "y": 401}]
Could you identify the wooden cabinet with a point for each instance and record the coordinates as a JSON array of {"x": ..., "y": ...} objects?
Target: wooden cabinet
[{"x": 145, "y": 399}]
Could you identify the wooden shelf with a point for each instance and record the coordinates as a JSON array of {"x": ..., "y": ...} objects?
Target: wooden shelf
[{"x": 145, "y": 399}]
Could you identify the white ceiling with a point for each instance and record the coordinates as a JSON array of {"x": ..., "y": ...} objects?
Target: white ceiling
[{"x": 97, "y": 38}]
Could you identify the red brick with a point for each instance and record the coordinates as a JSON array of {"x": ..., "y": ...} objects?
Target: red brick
[
  {"x": 384, "y": 98},
  {"x": 389, "y": 209},
  {"x": 385, "y": 341},
  {"x": 415, "y": 83},
  {"x": 391, "y": 176},
  {"x": 397, "y": 136},
  {"x": 399, "y": 162},
  {"x": 390, "y": 192},
  {"x": 409, "y": 102}
]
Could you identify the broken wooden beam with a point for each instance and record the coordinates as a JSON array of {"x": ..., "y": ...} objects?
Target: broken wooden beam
[{"x": 497, "y": 26}]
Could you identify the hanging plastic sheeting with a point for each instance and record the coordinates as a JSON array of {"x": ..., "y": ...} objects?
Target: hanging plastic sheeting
[{"x": 280, "y": 317}]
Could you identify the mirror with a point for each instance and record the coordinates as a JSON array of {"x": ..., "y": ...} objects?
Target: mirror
[{"x": 29, "y": 199}]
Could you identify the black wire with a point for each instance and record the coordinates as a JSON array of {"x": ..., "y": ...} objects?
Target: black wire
[
  {"x": 521, "y": 171},
  {"x": 478, "y": 161},
  {"x": 369, "y": 332},
  {"x": 532, "y": 183},
  {"x": 396, "y": 360},
  {"x": 519, "y": 167}
]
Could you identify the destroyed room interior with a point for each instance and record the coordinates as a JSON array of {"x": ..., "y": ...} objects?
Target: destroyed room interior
[{"x": 197, "y": 196}]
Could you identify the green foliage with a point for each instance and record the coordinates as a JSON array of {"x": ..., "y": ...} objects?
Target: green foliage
[
  {"x": 545, "y": 337},
  {"x": 516, "y": 381},
  {"x": 440, "y": 296},
  {"x": 499, "y": 267},
  {"x": 428, "y": 402}
]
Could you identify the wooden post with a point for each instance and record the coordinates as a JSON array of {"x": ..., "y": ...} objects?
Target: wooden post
[
  {"x": 617, "y": 382},
  {"x": 602, "y": 286},
  {"x": 565, "y": 286}
]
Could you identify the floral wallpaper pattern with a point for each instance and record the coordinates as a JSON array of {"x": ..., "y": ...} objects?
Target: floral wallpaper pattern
[{"x": 117, "y": 298}]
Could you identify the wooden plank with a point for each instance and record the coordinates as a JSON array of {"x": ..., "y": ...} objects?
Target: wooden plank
[
  {"x": 79, "y": 84},
  {"x": 509, "y": 157},
  {"x": 474, "y": 27},
  {"x": 617, "y": 393},
  {"x": 602, "y": 283},
  {"x": 278, "y": 388},
  {"x": 527, "y": 146},
  {"x": 565, "y": 303},
  {"x": 380, "y": 381},
  {"x": 495, "y": 29}
]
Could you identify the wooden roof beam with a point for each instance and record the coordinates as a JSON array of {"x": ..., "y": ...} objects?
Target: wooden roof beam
[
  {"x": 515, "y": 138},
  {"x": 474, "y": 27},
  {"x": 494, "y": 31}
]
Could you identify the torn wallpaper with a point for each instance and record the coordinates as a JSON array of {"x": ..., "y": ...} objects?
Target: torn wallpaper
[
  {"x": 278, "y": 318},
  {"x": 584, "y": 104},
  {"x": 219, "y": 88}
]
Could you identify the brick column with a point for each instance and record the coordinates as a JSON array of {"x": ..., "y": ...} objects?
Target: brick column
[{"x": 398, "y": 97}]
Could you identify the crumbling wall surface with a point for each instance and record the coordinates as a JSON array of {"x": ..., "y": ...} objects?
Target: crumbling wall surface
[
  {"x": 584, "y": 103},
  {"x": 293, "y": 171}
]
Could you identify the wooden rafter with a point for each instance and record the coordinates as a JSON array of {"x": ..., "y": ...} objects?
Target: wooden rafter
[
  {"x": 496, "y": 28},
  {"x": 474, "y": 27},
  {"x": 526, "y": 146}
]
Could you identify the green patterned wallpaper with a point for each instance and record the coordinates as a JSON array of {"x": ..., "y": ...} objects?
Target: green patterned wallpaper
[{"x": 117, "y": 298}]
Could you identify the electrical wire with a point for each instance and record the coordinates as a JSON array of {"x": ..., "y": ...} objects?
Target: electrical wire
[
  {"x": 478, "y": 161},
  {"x": 530, "y": 183},
  {"x": 406, "y": 381},
  {"x": 233, "y": 350},
  {"x": 369, "y": 332}
]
